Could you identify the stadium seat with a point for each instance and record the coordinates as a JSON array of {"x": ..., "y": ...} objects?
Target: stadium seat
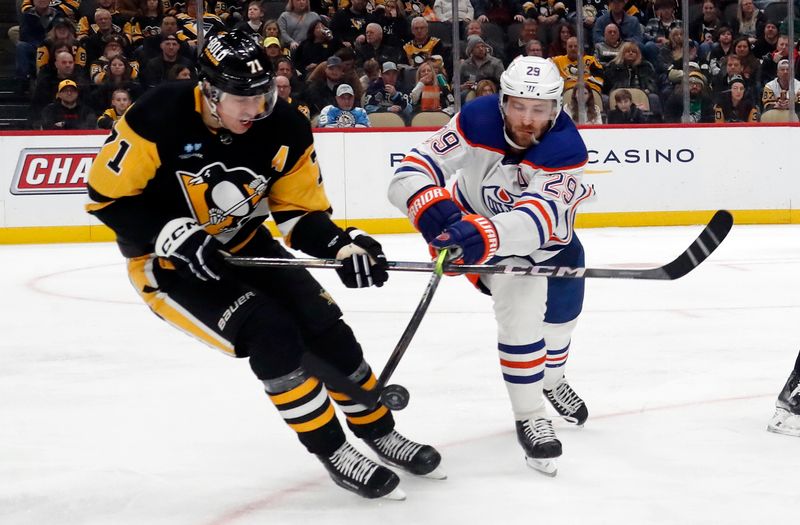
[
  {"x": 779, "y": 115},
  {"x": 639, "y": 98},
  {"x": 386, "y": 120},
  {"x": 430, "y": 119}
]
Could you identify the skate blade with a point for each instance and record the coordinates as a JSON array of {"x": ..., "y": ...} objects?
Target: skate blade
[
  {"x": 569, "y": 419},
  {"x": 548, "y": 467},
  {"x": 396, "y": 495},
  {"x": 437, "y": 474},
  {"x": 784, "y": 422}
]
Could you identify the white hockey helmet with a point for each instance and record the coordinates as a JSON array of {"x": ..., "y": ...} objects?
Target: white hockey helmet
[{"x": 532, "y": 77}]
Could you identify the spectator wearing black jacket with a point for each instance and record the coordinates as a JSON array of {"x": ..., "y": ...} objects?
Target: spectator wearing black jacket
[
  {"x": 255, "y": 20},
  {"x": 319, "y": 45},
  {"x": 701, "y": 108},
  {"x": 375, "y": 47},
  {"x": 348, "y": 25},
  {"x": 625, "y": 112},
  {"x": 322, "y": 83},
  {"x": 151, "y": 45},
  {"x": 155, "y": 72},
  {"x": 47, "y": 83},
  {"x": 768, "y": 42},
  {"x": 67, "y": 112},
  {"x": 396, "y": 28}
]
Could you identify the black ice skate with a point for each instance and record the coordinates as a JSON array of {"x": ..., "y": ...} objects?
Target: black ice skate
[
  {"x": 399, "y": 451},
  {"x": 787, "y": 408},
  {"x": 353, "y": 471},
  {"x": 538, "y": 439},
  {"x": 567, "y": 403}
]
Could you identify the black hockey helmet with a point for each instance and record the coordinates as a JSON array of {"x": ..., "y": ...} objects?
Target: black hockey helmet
[{"x": 233, "y": 63}]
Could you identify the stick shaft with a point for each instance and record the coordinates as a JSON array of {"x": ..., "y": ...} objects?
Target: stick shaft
[
  {"x": 708, "y": 240},
  {"x": 408, "y": 333}
]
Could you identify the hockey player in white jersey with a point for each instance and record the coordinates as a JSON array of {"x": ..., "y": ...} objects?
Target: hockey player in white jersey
[
  {"x": 519, "y": 161},
  {"x": 787, "y": 408}
]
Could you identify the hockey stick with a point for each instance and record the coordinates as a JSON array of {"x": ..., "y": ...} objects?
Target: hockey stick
[
  {"x": 338, "y": 381},
  {"x": 697, "y": 252},
  {"x": 396, "y": 396}
]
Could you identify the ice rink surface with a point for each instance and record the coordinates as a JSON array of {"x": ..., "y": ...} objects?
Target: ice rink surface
[{"x": 110, "y": 416}]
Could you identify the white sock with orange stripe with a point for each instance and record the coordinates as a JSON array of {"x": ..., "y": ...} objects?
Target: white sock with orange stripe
[{"x": 523, "y": 371}]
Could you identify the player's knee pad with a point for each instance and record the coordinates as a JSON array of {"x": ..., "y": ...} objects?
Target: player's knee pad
[
  {"x": 565, "y": 296},
  {"x": 273, "y": 352},
  {"x": 339, "y": 347}
]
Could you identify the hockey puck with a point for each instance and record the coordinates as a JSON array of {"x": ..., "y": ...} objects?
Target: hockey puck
[{"x": 395, "y": 397}]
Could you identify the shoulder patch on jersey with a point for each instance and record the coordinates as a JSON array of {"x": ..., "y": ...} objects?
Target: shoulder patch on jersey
[
  {"x": 562, "y": 148},
  {"x": 481, "y": 124}
]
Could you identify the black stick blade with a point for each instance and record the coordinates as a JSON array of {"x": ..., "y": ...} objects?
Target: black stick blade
[{"x": 708, "y": 241}]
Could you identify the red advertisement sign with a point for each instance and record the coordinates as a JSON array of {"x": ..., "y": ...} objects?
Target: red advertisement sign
[{"x": 52, "y": 170}]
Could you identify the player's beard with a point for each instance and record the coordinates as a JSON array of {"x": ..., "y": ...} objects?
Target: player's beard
[{"x": 526, "y": 136}]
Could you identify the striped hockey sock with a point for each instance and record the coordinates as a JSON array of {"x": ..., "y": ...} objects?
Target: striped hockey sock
[
  {"x": 365, "y": 422},
  {"x": 303, "y": 403},
  {"x": 523, "y": 370}
]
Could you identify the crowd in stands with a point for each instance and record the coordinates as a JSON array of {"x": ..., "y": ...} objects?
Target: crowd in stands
[{"x": 342, "y": 61}]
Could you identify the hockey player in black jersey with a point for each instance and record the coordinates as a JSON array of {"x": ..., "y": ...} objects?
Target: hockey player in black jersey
[
  {"x": 192, "y": 171},
  {"x": 787, "y": 408}
]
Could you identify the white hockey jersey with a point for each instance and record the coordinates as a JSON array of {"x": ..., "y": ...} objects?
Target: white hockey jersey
[{"x": 531, "y": 198}]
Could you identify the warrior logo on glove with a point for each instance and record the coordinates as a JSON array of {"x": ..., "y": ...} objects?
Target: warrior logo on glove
[{"x": 222, "y": 199}]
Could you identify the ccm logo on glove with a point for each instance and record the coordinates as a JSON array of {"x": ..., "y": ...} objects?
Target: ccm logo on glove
[{"x": 191, "y": 249}]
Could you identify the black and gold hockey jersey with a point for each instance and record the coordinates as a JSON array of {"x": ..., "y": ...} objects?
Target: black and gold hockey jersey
[
  {"x": 162, "y": 162},
  {"x": 44, "y": 57},
  {"x": 87, "y": 26},
  {"x": 68, "y": 8},
  {"x": 187, "y": 27}
]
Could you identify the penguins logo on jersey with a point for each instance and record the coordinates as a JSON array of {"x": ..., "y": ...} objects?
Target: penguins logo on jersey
[
  {"x": 222, "y": 199},
  {"x": 345, "y": 120},
  {"x": 497, "y": 199}
]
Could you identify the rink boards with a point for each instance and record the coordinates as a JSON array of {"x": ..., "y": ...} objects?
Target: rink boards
[{"x": 666, "y": 175}]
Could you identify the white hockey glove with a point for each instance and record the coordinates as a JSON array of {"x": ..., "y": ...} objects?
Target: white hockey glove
[{"x": 191, "y": 249}]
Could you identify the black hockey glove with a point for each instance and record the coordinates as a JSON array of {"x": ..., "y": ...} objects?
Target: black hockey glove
[
  {"x": 194, "y": 252},
  {"x": 363, "y": 261}
]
